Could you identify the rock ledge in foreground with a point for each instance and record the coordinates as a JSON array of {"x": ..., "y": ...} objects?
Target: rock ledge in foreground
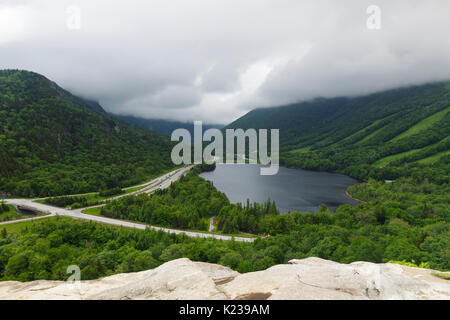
[{"x": 310, "y": 278}]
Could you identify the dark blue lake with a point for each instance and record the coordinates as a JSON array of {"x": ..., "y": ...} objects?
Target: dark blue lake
[{"x": 292, "y": 189}]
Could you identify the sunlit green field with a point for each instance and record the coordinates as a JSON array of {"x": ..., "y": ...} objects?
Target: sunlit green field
[
  {"x": 422, "y": 125},
  {"x": 433, "y": 158}
]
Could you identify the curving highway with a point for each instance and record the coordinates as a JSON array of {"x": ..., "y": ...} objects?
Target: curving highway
[{"x": 162, "y": 182}]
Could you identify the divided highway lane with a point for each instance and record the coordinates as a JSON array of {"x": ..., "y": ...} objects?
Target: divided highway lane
[
  {"x": 143, "y": 186},
  {"x": 54, "y": 211},
  {"x": 160, "y": 183}
]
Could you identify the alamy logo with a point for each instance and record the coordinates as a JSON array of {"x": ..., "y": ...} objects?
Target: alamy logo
[
  {"x": 236, "y": 147},
  {"x": 74, "y": 280},
  {"x": 374, "y": 20},
  {"x": 73, "y": 21}
]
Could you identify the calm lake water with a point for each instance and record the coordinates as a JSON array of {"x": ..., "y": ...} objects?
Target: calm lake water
[{"x": 291, "y": 189}]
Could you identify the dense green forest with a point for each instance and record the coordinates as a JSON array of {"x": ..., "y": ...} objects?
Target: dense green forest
[
  {"x": 54, "y": 143},
  {"x": 412, "y": 224},
  {"x": 404, "y": 220},
  {"x": 186, "y": 204},
  {"x": 44, "y": 250},
  {"x": 73, "y": 201},
  {"x": 8, "y": 212}
]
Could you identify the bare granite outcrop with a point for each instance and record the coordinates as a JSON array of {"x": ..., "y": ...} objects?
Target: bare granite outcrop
[{"x": 311, "y": 278}]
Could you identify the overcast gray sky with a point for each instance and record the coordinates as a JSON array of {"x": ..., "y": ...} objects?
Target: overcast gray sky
[{"x": 214, "y": 60}]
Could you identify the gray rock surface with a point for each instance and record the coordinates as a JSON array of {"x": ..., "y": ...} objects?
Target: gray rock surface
[{"x": 310, "y": 278}]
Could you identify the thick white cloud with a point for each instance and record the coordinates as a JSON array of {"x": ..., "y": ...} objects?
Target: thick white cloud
[{"x": 215, "y": 60}]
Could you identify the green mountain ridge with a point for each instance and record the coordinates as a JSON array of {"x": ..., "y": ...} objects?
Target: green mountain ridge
[
  {"x": 54, "y": 143},
  {"x": 164, "y": 127},
  {"x": 352, "y": 134}
]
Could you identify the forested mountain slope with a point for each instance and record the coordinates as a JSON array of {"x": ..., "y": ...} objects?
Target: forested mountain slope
[
  {"x": 165, "y": 127},
  {"x": 374, "y": 135},
  {"x": 53, "y": 143}
]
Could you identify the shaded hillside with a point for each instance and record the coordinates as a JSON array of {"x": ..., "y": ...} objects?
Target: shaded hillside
[
  {"x": 55, "y": 143},
  {"x": 410, "y": 125},
  {"x": 165, "y": 127}
]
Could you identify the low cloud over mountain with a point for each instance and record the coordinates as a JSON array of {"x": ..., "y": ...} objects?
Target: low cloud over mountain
[{"x": 216, "y": 60}]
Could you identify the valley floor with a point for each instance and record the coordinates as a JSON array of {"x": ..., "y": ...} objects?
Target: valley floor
[{"x": 162, "y": 182}]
